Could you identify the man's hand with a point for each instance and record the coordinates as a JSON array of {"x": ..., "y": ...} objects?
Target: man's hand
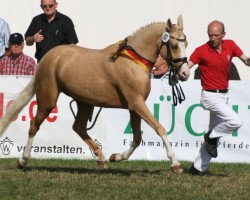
[
  {"x": 38, "y": 37},
  {"x": 184, "y": 72}
]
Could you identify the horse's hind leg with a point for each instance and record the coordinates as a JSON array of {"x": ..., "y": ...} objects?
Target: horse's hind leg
[
  {"x": 136, "y": 127},
  {"x": 46, "y": 99},
  {"x": 34, "y": 127},
  {"x": 80, "y": 127}
]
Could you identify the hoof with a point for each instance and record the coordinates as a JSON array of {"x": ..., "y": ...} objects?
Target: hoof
[
  {"x": 102, "y": 164},
  {"x": 112, "y": 158},
  {"x": 177, "y": 169},
  {"x": 19, "y": 165},
  {"x": 115, "y": 157}
]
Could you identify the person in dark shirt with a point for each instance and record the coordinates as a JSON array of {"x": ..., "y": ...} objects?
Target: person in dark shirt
[{"x": 50, "y": 29}]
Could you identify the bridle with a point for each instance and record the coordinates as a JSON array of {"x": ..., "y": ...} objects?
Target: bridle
[
  {"x": 171, "y": 62},
  {"x": 177, "y": 92}
]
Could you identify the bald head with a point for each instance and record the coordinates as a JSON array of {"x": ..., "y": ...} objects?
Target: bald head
[
  {"x": 45, "y": 1},
  {"x": 216, "y": 25},
  {"x": 216, "y": 32}
]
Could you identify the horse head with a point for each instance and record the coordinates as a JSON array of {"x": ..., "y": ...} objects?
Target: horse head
[{"x": 172, "y": 47}]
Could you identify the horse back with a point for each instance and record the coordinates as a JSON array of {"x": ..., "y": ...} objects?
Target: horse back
[{"x": 89, "y": 76}]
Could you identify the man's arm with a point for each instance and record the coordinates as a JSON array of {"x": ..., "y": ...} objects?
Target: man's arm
[
  {"x": 190, "y": 64},
  {"x": 29, "y": 40},
  {"x": 245, "y": 60}
]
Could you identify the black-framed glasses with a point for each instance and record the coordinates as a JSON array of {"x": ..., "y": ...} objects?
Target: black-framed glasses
[{"x": 47, "y": 6}]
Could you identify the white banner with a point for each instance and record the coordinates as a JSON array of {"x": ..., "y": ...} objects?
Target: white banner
[
  {"x": 55, "y": 139},
  {"x": 185, "y": 124}
]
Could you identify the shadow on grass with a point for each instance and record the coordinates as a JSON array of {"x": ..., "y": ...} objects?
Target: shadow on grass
[
  {"x": 208, "y": 174},
  {"x": 110, "y": 170},
  {"x": 123, "y": 172}
]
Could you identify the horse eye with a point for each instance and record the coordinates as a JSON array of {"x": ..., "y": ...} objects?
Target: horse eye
[{"x": 174, "y": 46}]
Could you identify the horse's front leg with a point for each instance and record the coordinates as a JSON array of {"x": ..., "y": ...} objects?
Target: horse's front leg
[
  {"x": 175, "y": 166},
  {"x": 141, "y": 109},
  {"x": 136, "y": 127}
]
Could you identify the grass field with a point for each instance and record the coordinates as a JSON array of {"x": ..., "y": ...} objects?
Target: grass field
[{"x": 130, "y": 180}]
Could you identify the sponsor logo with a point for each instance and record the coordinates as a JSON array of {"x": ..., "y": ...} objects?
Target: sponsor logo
[
  {"x": 6, "y": 146},
  {"x": 6, "y": 102}
]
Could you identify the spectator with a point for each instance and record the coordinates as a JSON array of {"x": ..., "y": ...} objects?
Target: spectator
[
  {"x": 50, "y": 29},
  {"x": 160, "y": 69},
  {"x": 4, "y": 37},
  {"x": 17, "y": 63},
  {"x": 214, "y": 58}
]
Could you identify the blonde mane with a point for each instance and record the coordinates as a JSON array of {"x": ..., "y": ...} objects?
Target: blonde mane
[{"x": 143, "y": 28}]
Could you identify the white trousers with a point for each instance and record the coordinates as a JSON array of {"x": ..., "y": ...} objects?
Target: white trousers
[{"x": 223, "y": 121}]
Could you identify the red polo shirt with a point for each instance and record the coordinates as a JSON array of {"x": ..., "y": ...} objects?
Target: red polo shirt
[{"x": 214, "y": 66}]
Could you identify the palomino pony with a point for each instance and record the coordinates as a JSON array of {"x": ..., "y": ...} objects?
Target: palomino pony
[{"x": 117, "y": 76}]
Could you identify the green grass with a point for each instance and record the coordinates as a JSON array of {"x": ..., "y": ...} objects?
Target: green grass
[{"x": 81, "y": 179}]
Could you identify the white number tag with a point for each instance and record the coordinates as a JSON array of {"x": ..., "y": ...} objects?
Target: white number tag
[{"x": 165, "y": 36}]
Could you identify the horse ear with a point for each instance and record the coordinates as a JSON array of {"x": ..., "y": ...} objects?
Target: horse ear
[
  {"x": 180, "y": 22},
  {"x": 169, "y": 24}
]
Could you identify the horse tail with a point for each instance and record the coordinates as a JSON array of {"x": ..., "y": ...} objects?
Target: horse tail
[{"x": 19, "y": 103}]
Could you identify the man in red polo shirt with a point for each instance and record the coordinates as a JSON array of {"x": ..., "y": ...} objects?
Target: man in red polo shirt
[{"x": 214, "y": 58}]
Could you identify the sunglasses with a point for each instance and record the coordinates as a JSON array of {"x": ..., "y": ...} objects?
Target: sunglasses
[{"x": 47, "y": 6}]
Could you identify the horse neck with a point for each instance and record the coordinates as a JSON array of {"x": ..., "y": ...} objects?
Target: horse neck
[{"x": 145, "y": 40}]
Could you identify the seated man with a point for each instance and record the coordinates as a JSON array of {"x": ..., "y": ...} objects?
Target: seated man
[
  {"x": 160, "y": 68},
  {"x": 17, "y": 63}
]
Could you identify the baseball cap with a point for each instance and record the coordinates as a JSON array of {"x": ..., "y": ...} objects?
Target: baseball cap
[{"x": 16, "y": 38}]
